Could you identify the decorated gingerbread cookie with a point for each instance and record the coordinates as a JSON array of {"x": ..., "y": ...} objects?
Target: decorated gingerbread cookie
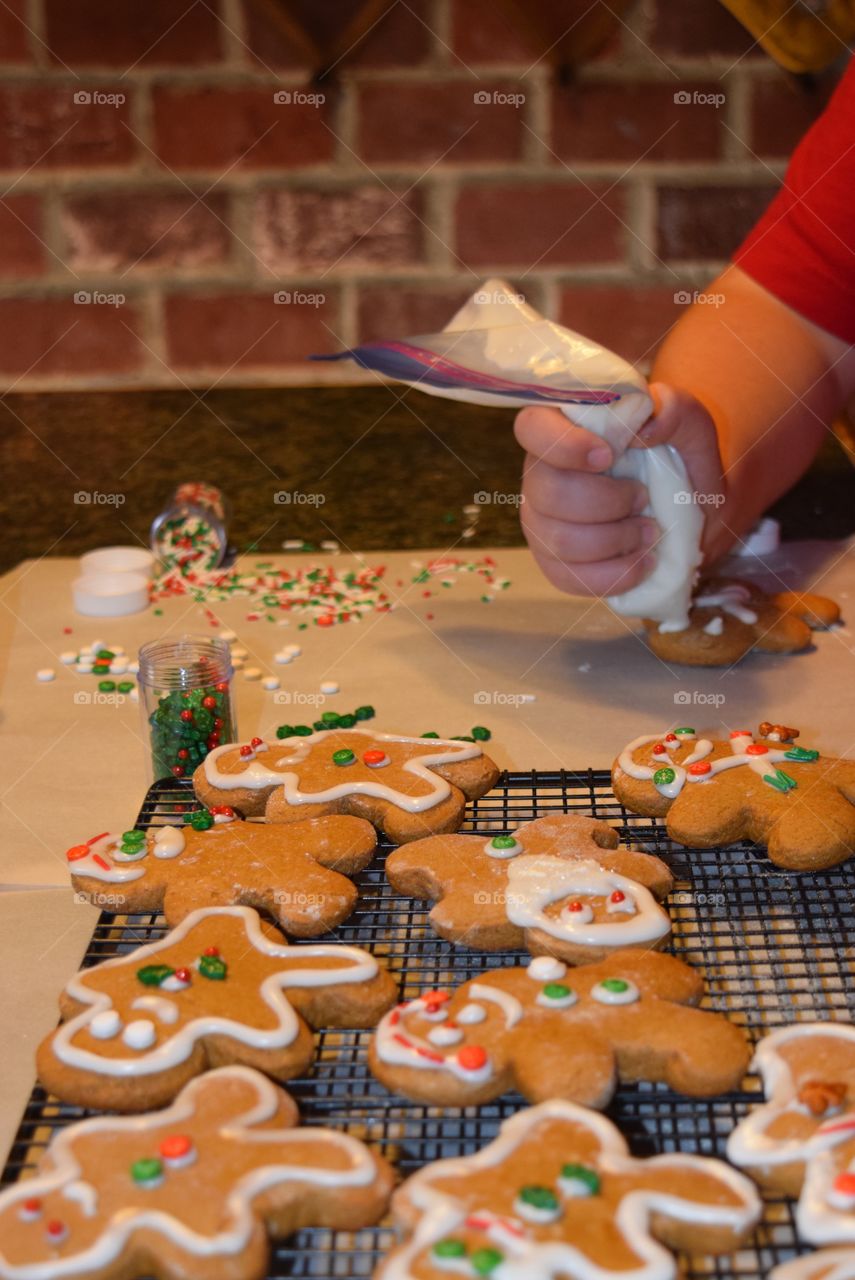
[
  {"x": 801, "y": 805},
  {"x": 221, "y": 987},
  {"x": 729, "y": 618},
  {"x": 553, "y": 1034},
  {"x": 407, "y": 787},
  {"x": 802, "y": 1140},
  {"x": 828, "y": 1264},
  {"x": 557, "y": 1194},
  {"x": 298, "y": 874},
  {"x": 196, "y": 1190},
  {"x": 556, "y": 886}
]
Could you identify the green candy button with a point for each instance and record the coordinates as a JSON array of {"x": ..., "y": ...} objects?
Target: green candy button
[
  {"x": 539, "y": 1198},
  {"x": 503, "y": 842},
  {"x": 582, "y": 1173},
  {"x": 285, "y": 731},
  {"x": 148, "y": 1170},
  {"x": 364, "y": 713},
  {"x": 133, "y": 836},
  {"x": 484, "y": 1261},
  {"x": 213, "y": 967},
  {"x": 201, "y": 821},
  {"x": 152, "y": 975},
  {"x": 663, "y": 777},
  {"x": 450, "y": 1248},
  {"x": 480, "y": 734},
  {"x": 555, "y": 991},
  {"x": 618, "y": 985},
  {"x": 685, "y": 730},
  {"x": 343, "y": 757}
]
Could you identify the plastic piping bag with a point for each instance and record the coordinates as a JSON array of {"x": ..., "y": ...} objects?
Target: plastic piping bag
[{"x": 497, "y": 350}]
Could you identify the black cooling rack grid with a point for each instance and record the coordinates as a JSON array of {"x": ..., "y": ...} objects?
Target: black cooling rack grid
[{"x": 773, "y": 948}]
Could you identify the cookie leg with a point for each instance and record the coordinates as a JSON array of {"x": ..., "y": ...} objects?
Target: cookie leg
[{"x": 578, "y": 1066}]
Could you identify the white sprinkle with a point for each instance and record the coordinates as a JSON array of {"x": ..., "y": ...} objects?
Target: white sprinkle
[
  {"x": 134, "y": 694},
  {"x": 270, "y": 682},
  {"x": 252, "y": 673},
  {"x": 228, "y": 635},
  {"x": 282, "y": 622},
  {"x": 46, "y": 674},
  {"x": 67, "y": 658},
  {"x": 118, "y": 667},
  {"x": 85, "y": 668},
  {"x": 584, "y": 667},
  {"x": 293, "y": 649},
  {"x": 87, "y": 648},
  {"x": 117, "y": 649},
  {"x": 239, "y": 652},
  {"x": 329, "y": 545},
  {"x": 293, "y": 544},
  {"x": 467, "y": 533},
  {"x": 133, "y": 668},
  {"x": 96, "y": 645},
  {"x": 283, "y": 658},
  {"x": 330, "y": 686},
  {"x": 237, "y": 663}
]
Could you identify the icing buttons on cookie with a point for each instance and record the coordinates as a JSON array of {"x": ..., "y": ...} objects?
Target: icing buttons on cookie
[
  {"x": 576, "y": 914},
  {"x": 140, "y": 1034},
  {"x": 555, "y": 995},
  {"x": 615, "y": 991},
  {"x": 546, "y": 969},
  {"x": 503, "y": 847},
  {"x": 105, "y": 1025}
]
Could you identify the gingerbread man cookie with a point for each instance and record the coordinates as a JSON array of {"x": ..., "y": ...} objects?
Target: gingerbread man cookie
[
  {"x": 801, "y": 805},
  {"x": 556, "y": 886},
  {"x": 407, "y": 787},
  {"x": 729, "y": 618},
  {"x": 802, "y": 1140},
  {"x": 549, "y": 1034},
  {"x": 298, "y": 873},
  {"x": 195, "y": 1190},
  {"x": 221, "y": 987},
  {"x": 557, "y": 1194},
  {"x": 828, "y": 1264}
]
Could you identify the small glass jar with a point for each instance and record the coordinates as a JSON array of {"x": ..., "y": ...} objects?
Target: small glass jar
[
  {"x": 186, "y": 702},
  {"x": 192, "y": 529}
]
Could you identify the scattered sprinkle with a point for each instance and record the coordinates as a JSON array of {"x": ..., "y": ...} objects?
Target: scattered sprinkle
[
  {"x": 330, "y": 686},
  {"x": 46, "y": 674},
  {"x": 67, "y": 658},
  {"x": 270, "y": 682},
  {"x": 252, "y": 673}
]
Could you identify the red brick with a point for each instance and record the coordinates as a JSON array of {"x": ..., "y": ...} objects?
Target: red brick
[
  {"x": 629, "y": 121},
  {"x": 707, "y": 222},
  {"x": 338, "y": 229},
  {"x": 486, "y": 32},
  {"x": 698, "y": 29},
  {"x": 631, "y": 319},
  {"x": 402, "y": 38},
  {"x": 782, "y": 110},
  {"x": 538, "y": 225},
  {"x": 245, "y": 128},
  {"x": 44, "y": 336},
  {"x": 113, "y": 230},
  {"x": 21, "y": 232},
  {"x": 388, "y": 310},
  {"x": 43, "y": 126},
  {"x": 422, "y": 123},
  {"x": 14, "y": 36},
  {"x": 223, "y": 331},
  {"x": 101, "y": 33}
]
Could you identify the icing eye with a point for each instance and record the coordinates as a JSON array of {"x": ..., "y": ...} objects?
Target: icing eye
[
  {"x": 579, "y": 1180},
  {"x": 105, "y": 1025},
  {"x": 443, "y": 1036},
  {"x": 375, "y": 758},
  {"x": 577, "y": 914},
  {"x": 546, "y": 969},
  {"x": 140, "y": 1034},
  {"x": 537, "y": 1204},
  {"x": 30, "y": 1210},
  {"x": 471, "y": 1014},
  {"x": 555, "y": 995},
  {"x": 615, "y": 991},
  {"x": 620, "y": 903},
  {"x": 503, "y": 847}
]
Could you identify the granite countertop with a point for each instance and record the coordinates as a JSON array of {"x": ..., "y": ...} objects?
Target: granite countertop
[{"x": 394, "y": 468}]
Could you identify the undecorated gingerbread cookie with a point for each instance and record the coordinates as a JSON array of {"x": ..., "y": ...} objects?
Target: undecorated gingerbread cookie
[
  {"x": 196, "y": 1190},
  {"x": 221, "y": 987},
  {"x": 557, "y": 1194},
  {"x": 556, "y": 886},
  {"x": 797, "y": 803},
  {"x": 549, "y": 1033},
  {"x": 730, "y": 617},
  {"x": 802, "y": 1140},
  {"x": 298, "y": 874},
  {"x": 407, "y": 787}
]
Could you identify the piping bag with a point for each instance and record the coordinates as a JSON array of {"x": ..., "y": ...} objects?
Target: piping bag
[{"x": 497, "y": 350}]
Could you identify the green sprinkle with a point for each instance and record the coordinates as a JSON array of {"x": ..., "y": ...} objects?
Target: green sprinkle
[
  {"x": 486, "y": 1260},
  {"x": 685, "y": 730},
  {"x": 285, "y": 731},
  {"x": 213, "y": 967},
  {"x": 125, "y": 686},
  {"x": 346, "y": 722},
  {"x": 152, "y": 975},
  {"x": 449, "y": 1248},
  {"x": 663, "y": 777},
  {"x": 158, "y": 613},
  {"x": 556, "y": 991},
  {"x": 803, "y": 754},
  {"x": 617, "y": 985},
  {"x": 430, "y": 735},
  {"x": 364, "y": 713},
  {"x": 330, "y": 717},
  {"x": 202, "y": 820},
  {"x": 302, "y": 730},
  {"x": 539, "y": 1198},
  {"x": 105, "y": 655},
  {"x": 133, "y": 836},
  {"x": 460, "y": 737},
  {"x": 503, "y": 842},
  {"x": 148, "y": 1170},
  {"x": 319, "y": 726},
  {"x": 480, "y": 734},
  {"x": 582, "y": 1173},
  {"x": 343, "y": 757},
  {"x": 106, "y": 686}
]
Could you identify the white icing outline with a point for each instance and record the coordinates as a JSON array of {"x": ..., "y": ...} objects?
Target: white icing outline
[
  {"x": 238, "y": 1214},
  {"x": 258, "y": 775},
  {"x": 442, "y": 1215},
  {"x": 178, "y": 1047},
  {"x": 536, "y": 880},
  {"x": 841, "y": 1263},
  {"x": 761, "y": 764}
]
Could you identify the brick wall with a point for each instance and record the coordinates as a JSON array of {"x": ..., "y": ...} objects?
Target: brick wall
[{"x": 146, "y": 164}]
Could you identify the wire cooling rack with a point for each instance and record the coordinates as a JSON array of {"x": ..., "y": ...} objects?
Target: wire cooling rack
[{"x": 772, "y": 946}]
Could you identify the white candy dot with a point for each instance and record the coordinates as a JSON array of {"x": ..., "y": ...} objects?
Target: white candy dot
[
  {"x": 283, "y": 658},
  {"x": 85, "y": 668},
  {"x": 228, "y": 635},
  {"x": 443, "y": 1036},
  {"x": 117, "y": 649},
  {"x": 293, "y": 649},
  {"x": 329, "y": 686},
  {"x": 118, "y": 667},
  {"x": 86, "y": 648},
  {"x": 46, "y": 674},
  {"x": 140, "y": 1034},
  {"x": 252, "y": 673},
  {"x": 546, "y": 969},
  {"x": 238, "y": 651},
  {"x": 270, "y": 682},
  {"x": 67, "y": 658},
  {"x": 96, "y": 645},
  {"x": 237, "y": 663},
  {"x": 134, "y": 694},
  {"x": 133, "y": 668},
  {"x": 105, "y": 1024}
]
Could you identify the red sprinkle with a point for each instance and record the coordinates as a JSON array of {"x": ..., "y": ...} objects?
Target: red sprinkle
[
  {"x": 246, "y": 751},
  {"x": 54, "y": 1228},
  {"x": 658, "y": 749},
  {"x": 574, "y": 906},
  {"x": 33, "y": 1205},
  {"x": 182, "y": 753},
  {"x": 221, "y": 688},
  {"x": 326, "y": 620},
  {"x": 256, "y": 742},
  {"x": 183, "y": 975},
  {"x": 209, "y": 703},
  {"x": 700, "y": 767},
  {"x": 102, "y": 862},
  {"x": 187, "y": 714},
  {"x": 175, "y": 1146},
  {"x": 211, "y": 951},
  {"x": 472, "y": 1057},
  {"x": 844, "y": 1183},
  {"x": 617, "y": 896},
  {"x": 178, "y": 770},
  {"x": 670, "y": 737},
  {"x": 756, "y": 749}
]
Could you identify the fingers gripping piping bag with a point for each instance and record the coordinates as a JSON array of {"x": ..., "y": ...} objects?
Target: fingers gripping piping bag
[{"x": 497, "y": 350}]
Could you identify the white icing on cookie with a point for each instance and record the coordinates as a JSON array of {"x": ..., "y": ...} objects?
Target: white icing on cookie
[
  {"x": 761, "y": 763},
  {"x": 546, "y": 969},
  {"x": 536, "y": 881}
]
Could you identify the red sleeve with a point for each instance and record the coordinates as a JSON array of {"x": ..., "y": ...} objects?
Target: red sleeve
[{"x": 803, "y": 248}]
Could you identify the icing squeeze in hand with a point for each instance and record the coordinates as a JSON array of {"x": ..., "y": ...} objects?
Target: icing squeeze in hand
[{"x": 498, "y": 350}]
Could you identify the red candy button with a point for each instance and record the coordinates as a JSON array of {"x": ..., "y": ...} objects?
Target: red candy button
[
  {"x": 54, "y": 1228},
  {"x": 670, "y": 737},
  {"x": 844, "y": 1183},
  {"x": 700, "y": 767},
  {"x": 183, "y": 975},
  {"x": 658, "y": 749},
  {"x": 574, "y": 906},
  {"x": 617, "y": 896},
  {"x": 175, "y": 1147},
  {"x": 472, "y": 1057},
  {"x": 374, "y": 756},
  {"x": 246, "y": 751},
  {"x": 76, "y": 852},
  {"x": 739, "y": 733},
  {"x": 256, "y": 742},
  {"x": 211, "y": 951},
  {"x": 756, "y": 749},
  {"x": 32, "y": 1206}
]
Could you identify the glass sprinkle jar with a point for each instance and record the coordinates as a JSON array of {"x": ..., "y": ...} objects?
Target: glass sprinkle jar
[
  {"x": 186, "y": 701},
  {"x": 191, "y": 532}
]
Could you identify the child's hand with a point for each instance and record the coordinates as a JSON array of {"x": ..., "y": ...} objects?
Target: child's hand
[{"x": 584, "y": 528}]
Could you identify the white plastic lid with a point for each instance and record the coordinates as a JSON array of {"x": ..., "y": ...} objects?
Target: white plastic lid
[
  {"x": 117, "y": 560},
  {"x": 110, "y": 595}
]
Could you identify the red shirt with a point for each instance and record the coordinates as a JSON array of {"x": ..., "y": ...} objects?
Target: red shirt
[{"x": 803, "y": 248}]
